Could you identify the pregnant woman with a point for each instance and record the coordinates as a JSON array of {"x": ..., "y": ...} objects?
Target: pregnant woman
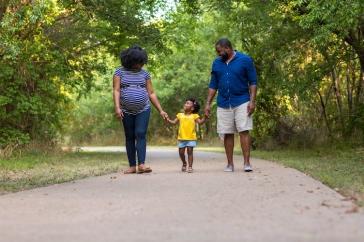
[{"x": 133, "y": 92}]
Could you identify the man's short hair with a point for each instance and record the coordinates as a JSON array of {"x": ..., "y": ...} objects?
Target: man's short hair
[{"x": 224, "y": 42}]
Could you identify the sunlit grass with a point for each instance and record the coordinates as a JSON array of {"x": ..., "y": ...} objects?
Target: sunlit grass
[{"x": 34, "y": 170}]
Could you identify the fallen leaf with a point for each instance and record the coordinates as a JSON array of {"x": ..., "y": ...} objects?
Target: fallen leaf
[
  {"x": 349, "y": 198},
  {"x": 324, "y": 203},
  {"x": 354, "y": 209}
]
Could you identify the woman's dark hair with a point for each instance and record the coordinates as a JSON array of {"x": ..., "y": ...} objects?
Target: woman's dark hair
[
  {"x": 133, "y": 56},
  {"x": 196, "y": 105},
  {"x": 224, "y": 42}
]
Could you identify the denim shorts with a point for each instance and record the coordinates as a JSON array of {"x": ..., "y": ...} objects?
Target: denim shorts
[{"x": 186, "y": 143}]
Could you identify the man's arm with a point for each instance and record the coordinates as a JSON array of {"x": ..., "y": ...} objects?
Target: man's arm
[
  {"x": 252, "y": 76},
  {"x": 211, "y": 94},
  {"x": 253, "y": 94}
]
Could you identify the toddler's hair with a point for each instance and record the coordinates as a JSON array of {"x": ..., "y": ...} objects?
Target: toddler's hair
[{"x": 196, "y": 105}]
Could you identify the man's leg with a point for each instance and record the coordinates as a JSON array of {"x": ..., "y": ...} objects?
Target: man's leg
[
  {"x": 244, "y": 123},
  {"x": 245, "y": 146},
  {"x": 229, "y": 148}
]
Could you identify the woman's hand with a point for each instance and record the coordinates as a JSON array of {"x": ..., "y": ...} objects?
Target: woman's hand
[
  {"x": 164, "y": 115},
  {"x": 119, "y": 114}
]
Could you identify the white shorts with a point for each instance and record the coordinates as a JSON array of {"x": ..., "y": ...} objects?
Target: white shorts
[{"x": 233, "y": 120}]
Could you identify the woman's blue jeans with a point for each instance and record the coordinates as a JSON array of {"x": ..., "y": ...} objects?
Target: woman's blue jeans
[{"x": 135, "y": 129}]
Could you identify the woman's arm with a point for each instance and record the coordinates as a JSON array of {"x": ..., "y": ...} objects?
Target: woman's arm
[
  {"x": 116, "y": 96},
  {"x": 153, "y": 98}
]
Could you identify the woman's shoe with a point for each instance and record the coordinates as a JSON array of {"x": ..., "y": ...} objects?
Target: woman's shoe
[
  {"x": 143, "y": 169},
  {"x": 131, "y": 170}
]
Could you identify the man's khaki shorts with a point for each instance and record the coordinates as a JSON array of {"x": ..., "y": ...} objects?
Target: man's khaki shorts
[{"x": 233, "y": 120}]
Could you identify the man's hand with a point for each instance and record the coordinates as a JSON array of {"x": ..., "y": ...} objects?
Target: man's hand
[
  {"x": 207, "y": 110},
  {"x": 251, "y": 108}
]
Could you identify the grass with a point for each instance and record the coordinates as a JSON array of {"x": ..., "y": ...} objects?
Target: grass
[
  {"x": 38, "y": 169},
  {"x": 339, "y": 168}
]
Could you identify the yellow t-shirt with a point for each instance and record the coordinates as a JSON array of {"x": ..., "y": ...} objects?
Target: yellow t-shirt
[{"x": 187, "y": 126}]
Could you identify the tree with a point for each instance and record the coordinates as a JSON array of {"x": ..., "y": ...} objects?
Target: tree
[{"x": 51, "y": 49}]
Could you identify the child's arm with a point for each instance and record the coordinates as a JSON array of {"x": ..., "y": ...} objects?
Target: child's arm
[
  {"x": 202, "y": 120},
  {"x": 175, "y": 121}
]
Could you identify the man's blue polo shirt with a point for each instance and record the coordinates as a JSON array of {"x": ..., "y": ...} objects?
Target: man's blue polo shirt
[{"x": 232, "y": 80}]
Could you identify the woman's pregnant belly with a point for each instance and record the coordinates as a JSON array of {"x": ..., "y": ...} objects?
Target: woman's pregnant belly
[{"x": 134, "y": 99}]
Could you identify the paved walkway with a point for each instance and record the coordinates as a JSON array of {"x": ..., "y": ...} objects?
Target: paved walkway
[{"x": 271, "y": 203}]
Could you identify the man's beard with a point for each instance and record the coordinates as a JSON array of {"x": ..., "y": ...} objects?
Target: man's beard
[{"x": 225, "y": 56}]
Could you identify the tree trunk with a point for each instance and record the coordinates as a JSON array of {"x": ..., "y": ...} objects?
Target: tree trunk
[
  {"x": 335, "y": 80},
  {"x": 324, "y": 113},
  {"x": 355, "y": 40},
  {"x": 349, "y": 92},
  {"x": 359, "y": 89}
]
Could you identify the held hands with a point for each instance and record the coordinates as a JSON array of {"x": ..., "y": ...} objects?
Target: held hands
[
  {"x": 164, "y": 115},
  {"x": 207, "y": 111}
]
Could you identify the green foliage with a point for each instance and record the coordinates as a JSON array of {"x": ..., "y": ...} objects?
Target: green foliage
[
  {"x": 184, "y": 71},
  {"x": 309, "y": 56},
  {"x": 52, "y": 50},
  {"x": 57, "y": 59},
  {"x": 91, "y": 120}
]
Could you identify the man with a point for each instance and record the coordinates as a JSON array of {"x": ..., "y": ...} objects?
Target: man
[{"x": 234, "y": 77}]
